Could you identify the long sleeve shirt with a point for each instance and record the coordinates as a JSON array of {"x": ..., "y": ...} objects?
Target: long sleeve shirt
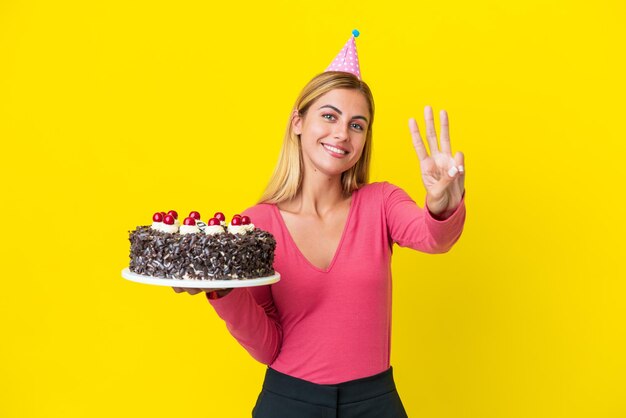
[{"x": 334, "y": 325}]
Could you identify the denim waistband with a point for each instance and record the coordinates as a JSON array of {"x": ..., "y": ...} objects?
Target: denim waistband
[{"x": 329, "y": 395}]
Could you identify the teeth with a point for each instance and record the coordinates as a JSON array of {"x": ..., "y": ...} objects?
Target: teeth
[{"x": 333, "y": 149}]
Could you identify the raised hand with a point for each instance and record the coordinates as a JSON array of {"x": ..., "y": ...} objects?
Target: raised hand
[{"x": 442, "y": 174}]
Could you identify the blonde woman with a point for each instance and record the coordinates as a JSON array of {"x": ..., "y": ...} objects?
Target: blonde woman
[{"x": 324, "y": 330}]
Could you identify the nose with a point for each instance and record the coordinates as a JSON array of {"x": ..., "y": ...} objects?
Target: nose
[{"x": 341, "y": 131}]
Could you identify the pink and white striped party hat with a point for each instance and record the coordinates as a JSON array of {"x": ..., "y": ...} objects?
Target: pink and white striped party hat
[{"x": 347, "y": 60}]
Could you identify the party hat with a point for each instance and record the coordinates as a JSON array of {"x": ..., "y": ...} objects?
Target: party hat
[{"x": 347, "y": 60}]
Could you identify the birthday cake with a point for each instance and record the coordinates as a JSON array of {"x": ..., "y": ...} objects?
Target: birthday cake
[{"x": 201, "y": 251}]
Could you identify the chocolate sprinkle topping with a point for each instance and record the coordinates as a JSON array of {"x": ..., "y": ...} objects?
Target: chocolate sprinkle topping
[{"x": 201, "y": 257}]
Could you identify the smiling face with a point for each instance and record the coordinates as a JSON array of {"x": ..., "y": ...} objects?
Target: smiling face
[{"x": 333, "y": 131}]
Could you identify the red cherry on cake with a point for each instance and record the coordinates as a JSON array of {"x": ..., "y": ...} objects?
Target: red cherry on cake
[
  {"x": 157, "y": 217},
  {"x": 245, "y": 220},
  {"x": 237, "y": 216},
  {"x": 190, "y": 221},
  {"x": 236, "y": 221},
  {"x": 195, "y": 215},
  {"x": 168, "y": 220},
  {"x": 163, "y": 214},
  {"x": 220, "y": 216},
  {"x": 214, "y": 221},
  {"x": 173, "y": 213}
]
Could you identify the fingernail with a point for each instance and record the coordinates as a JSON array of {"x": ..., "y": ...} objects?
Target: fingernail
[
  {"x": 461, "y": 169},
  {"x": 452, "y": 171}
]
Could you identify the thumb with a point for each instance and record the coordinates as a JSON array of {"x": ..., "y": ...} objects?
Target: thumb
[
  {"x": 438, "y": 190},
  {"x": 459, "y": 161},
  {"x": 456, "y": 168}
]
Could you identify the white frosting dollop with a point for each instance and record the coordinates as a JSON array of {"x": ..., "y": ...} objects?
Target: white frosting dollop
[
  {"x": 213, "y": 229},
  {"x": 169, "y": 228},
  {"x": 249, "y": 227},
  {"x": 176, "y": 223},
  {"x": 157, "y": 226},
  {"x": 189, "y": 229},
  {"x": 237, "y": 229}
]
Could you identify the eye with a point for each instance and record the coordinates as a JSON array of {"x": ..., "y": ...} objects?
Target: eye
[
  {"x": 357, "y": 126},
  {"x": 328, "y": 114}
]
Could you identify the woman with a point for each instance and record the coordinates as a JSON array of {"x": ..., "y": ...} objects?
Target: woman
[{"x": 324, "y": 329}]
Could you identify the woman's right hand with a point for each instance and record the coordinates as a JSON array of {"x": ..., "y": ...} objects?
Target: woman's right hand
[{"x": 194, "y": 291}]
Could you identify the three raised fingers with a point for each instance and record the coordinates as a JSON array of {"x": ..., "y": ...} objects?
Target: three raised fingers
[{"x": 431, "y": 134}]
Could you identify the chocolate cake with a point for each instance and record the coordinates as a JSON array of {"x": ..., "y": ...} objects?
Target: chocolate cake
[{"x": 239, "y": 251}]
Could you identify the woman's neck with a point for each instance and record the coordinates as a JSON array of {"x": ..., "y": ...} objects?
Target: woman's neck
[{"x": 318, "y": 196}]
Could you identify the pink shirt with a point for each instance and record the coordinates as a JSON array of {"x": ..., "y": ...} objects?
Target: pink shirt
[{"x": 334, "y": 325}]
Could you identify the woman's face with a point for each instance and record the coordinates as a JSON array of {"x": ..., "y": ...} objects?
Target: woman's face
[{"x": 333, "y": 131}]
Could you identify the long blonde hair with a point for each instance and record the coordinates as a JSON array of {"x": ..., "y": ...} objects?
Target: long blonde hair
[{"x": 287, "y": 177}]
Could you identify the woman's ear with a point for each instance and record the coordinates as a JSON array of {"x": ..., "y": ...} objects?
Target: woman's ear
[{"x": 296, "y": 121}]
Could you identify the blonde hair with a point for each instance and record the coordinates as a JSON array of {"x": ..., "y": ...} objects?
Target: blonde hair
[{"x": 287, "y": 177}]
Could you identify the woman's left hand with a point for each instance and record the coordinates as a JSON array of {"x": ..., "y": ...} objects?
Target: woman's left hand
[{"x": 443, "y": 175}]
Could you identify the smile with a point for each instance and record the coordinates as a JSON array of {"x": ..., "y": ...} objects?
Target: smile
[{"x": 335, "y": 152}]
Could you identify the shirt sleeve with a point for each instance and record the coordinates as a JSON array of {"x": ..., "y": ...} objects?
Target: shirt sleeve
[
  {"x": 410, "y": 226},
  {"x": 251, "y": 315},
  {"x": 252, "y": 318}
]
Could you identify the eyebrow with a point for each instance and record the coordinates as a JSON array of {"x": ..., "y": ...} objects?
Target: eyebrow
[{"x": 341, "y": 113}]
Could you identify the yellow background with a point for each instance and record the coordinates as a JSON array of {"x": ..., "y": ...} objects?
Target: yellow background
[{"x": 110, "y": 111}]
